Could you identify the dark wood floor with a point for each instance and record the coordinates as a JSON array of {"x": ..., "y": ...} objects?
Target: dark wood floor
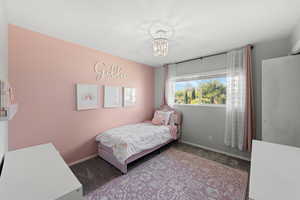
[{"x": 95, "y": 172}]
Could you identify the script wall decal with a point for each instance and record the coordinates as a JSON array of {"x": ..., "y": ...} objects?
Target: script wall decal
[{"x": 108, "y": 71}]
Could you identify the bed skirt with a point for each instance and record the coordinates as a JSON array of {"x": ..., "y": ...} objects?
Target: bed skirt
[{"x": 107, "y": 154}]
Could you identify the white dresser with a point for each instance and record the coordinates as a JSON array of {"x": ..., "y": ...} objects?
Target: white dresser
[{"x": 38, "y": 173}]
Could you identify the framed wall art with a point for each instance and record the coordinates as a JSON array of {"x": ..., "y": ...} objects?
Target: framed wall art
[
  {"x": 87, "y": 96},
  {"x": 129, "y": 96},
  {"x": 112, "y": 96}
]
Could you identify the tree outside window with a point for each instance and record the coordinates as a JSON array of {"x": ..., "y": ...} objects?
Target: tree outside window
[{"x": 202, "y": 91}]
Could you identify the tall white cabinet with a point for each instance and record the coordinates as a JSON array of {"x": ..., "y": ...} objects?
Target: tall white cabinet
[{"x": 281, "y": 100}]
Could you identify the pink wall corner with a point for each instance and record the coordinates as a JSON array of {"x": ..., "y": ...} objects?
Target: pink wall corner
[{"x": 44, "y": 71}]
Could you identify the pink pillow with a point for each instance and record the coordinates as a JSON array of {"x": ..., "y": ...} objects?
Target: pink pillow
[
  {"x": 173, "y": 119},
  {"x": 161, "y": 118}
]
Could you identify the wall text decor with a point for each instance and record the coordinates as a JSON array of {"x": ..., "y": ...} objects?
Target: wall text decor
[{"x": 108, "y": 71}]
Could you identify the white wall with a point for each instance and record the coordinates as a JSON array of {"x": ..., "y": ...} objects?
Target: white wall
[
  {"x": 205, "y": 125},
  {"x": 3, "y": 72},
  {"x": 295, "y": 39}
]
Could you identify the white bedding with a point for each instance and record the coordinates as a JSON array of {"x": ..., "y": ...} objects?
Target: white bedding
[{"x": 134, "y": 138}]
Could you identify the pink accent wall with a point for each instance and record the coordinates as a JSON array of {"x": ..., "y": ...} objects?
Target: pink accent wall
[{"x": 44, "y": 71}]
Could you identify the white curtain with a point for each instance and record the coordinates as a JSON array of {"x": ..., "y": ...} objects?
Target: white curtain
[
  {"x": 170, "y": 78},
  {"x": 236, "y": 96}
]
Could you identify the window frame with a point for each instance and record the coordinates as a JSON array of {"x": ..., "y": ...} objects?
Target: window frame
[{"x": 201, "y": 76}]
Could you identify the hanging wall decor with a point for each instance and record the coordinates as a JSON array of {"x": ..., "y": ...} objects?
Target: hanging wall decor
[
  {"x": 87, "y": 96},
  {"x": 108, "y": 71},
  {"x": 129, "y": 96},
  {"x": 8, "y": 106},
  {"x": 112, "y": 96}
]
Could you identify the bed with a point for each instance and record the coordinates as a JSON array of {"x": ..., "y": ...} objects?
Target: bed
[{"x": 123, "y": 145}]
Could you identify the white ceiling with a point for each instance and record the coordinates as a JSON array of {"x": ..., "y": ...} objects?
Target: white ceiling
[{"x": 120, "y": 27}]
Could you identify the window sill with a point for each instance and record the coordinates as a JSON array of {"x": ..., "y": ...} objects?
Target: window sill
[{"x": 202, "y": 105}]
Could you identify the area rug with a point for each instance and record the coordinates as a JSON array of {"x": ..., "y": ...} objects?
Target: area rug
[{"x": 176, "y": 175}]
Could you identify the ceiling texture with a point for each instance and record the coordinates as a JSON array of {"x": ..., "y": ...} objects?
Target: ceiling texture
[{"x": 121, "y": 28}]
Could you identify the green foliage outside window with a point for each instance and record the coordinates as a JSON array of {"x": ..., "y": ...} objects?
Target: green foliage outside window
[{"x": 210, "y": 92}]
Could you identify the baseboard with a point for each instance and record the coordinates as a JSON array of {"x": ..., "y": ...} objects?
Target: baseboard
[
  {"x": 215, "y": 150},
  {"x": 185, "y": 142},
  {"x": 83, "y": 159}
]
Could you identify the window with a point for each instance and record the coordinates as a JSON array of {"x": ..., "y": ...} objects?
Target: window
[{"x": 207, "y": 90}]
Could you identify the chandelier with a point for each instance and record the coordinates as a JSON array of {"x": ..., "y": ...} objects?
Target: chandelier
[
  {"x": 160, "y": 44},
  {"x": 160, "y": 34}
]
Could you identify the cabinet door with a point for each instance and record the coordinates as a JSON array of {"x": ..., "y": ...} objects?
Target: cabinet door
[{"x": 281, "y": 100}]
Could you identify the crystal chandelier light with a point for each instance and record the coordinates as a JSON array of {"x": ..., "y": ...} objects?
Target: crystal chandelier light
[
  {"x": 160, "y": 34},
  {"x": 160, "y": 43}
]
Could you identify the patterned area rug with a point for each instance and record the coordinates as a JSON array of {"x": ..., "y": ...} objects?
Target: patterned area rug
[{"x": 176, "y": 175}]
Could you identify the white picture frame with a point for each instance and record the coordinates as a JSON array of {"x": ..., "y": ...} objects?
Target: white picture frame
[
  {"x": 112, "y": 96},
  {"x": 129, "y": 97},
  {"x": 87, "y": 96}
]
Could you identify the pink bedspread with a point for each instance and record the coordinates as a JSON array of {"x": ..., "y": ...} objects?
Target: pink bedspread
[
  {"x": 173, "y": 130},
  {"x": 131, "y": 139}
]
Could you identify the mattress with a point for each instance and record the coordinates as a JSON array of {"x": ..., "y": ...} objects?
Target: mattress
[{"x": 128, "y": 140}]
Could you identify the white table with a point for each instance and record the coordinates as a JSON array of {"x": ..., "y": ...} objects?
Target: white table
[
  {"x": 38, "y": 173},
  {"x": 275, "y": 172}
]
